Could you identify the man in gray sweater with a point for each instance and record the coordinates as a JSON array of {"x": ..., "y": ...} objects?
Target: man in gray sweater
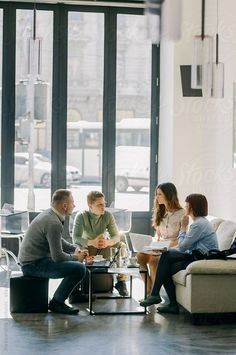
[{"x": 44, "y": 252}]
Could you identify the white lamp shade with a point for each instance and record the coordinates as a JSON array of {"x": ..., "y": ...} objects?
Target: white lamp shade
[
  {"x": 153, "y": 26},
  {"x": 34, "y": 56},
  {"x": 218, "y": 80},
  {"x": 152, "y": 14},
  {"x": 171, "y": 12},
  {"x": 201, "y": 63}
]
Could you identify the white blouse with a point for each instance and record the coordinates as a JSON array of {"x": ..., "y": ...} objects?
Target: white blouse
[{"x": 170, "y": 225}]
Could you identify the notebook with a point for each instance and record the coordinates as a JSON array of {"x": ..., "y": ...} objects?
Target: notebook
[{"x": 144, "y": 243}]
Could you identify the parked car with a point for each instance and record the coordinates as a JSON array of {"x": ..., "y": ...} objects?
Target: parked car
[
  {"x": 132, "y": 167},
  {"x": 42, "y": 170}
]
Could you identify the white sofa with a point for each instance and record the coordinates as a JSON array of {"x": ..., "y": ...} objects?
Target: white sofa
[{"x": 209, "y": 286}]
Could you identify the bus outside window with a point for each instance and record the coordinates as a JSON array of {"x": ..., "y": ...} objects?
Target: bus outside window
[{"x": 85, "y": 145}]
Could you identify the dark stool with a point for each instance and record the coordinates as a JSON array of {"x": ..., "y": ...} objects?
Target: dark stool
[{"x": 28, "y": 294}]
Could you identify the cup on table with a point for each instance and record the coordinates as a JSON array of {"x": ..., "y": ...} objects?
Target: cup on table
[
  {"x": 97, "y": 257},
  {"x": 133, "y": 260}
]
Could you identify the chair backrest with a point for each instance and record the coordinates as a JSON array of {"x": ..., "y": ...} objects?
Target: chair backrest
[
  {"x": 123, "y": 218},
  {"x": 71, "y": 221},
  {"x": 32, "y": 215}
]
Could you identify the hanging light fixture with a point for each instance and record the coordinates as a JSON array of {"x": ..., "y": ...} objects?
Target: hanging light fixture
[
  {"x": 163, "y": 18},
  {"x": 171, "y": 12},
  {"x": 153, "y": 23},
  {"x": 218, "y": 67},
  {"x": 34, "y": 48},
  {"x": 201, "y": 67},
  {"x": 34, "y": 69}
]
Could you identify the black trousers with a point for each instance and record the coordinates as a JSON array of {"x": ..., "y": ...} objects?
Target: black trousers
[{"x": 170, "y": 263}]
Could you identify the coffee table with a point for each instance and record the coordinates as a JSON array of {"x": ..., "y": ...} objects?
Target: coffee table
[{"x": 130, "y": 272}]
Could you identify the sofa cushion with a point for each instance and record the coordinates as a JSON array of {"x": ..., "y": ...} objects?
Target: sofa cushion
[
  {"x": 225, "y": 234},
  {"x": 212, "y": 267},
  {"x": 215, "y": 222},
  {"x": 180, "y": 277}
]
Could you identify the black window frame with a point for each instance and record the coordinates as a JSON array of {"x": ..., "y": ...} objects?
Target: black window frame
[{"x": 59, "y": 100}]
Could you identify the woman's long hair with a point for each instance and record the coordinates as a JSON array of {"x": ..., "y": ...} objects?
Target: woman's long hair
[{"x": 170, "y": 192}]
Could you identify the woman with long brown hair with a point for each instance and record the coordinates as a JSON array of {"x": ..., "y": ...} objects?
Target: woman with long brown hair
[{"x": 166, "y": 218}]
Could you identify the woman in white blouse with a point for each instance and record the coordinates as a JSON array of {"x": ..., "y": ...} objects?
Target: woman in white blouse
[{"x": 166, "y": 219}]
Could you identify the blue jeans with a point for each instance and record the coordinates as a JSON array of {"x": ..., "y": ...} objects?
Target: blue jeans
[{"x": 72, "y": 273}]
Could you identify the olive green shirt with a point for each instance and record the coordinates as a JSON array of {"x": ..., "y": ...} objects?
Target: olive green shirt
[{"x": 87, "y": 226}]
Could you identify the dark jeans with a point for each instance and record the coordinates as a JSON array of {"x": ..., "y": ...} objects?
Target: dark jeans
[
  {"x": 170, "y": 263},
  {"x": 72, "y": 273}
]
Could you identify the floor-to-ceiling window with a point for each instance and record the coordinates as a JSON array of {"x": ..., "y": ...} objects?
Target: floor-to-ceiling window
[
  {"x": 1, "y": 19},
  {"x": 33, "y": 109},
  {"x": 86, "y": 113},
  {"x": 85, "y": 102},
  {"x": 133, "y": 114}
]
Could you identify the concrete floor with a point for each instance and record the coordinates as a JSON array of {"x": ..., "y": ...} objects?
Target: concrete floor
[{"x": 122, "y": 335}]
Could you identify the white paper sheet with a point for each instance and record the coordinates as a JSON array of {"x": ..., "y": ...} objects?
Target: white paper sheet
[{"x": 160, "y": 245}]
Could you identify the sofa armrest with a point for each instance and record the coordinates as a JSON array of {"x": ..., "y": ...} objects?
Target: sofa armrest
[{"x": 212, "y": 267}]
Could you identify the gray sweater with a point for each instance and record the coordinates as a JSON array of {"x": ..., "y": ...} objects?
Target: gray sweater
[{"x": 44, "y": 238}]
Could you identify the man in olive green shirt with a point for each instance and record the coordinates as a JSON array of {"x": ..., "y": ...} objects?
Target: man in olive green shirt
[{"x": 90, "y": 229}]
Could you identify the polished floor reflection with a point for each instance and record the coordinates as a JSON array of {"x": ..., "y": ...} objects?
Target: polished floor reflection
[{"x": 85, "y": 334}]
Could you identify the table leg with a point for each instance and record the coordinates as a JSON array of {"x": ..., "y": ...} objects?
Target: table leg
[
  {"x": 90, "y": 292},
  {"x": 94, "y": 312},
  {"x": 131, "y": 286}
]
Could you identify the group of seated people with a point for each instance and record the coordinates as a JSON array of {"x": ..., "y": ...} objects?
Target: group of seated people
[{"x": 45, "y": 253}]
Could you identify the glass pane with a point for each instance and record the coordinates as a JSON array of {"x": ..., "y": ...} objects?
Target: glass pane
[
  {"x": 85, "y": 102},
  {"x": 1, "y": 27},
  {"x": 133, "y": 114},
  {"x": 33, "y": 110}
]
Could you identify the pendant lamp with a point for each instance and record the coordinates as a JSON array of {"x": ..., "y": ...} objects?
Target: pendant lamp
[
  {"x": 34, "y": 49},
  {"x": 171, "y": 12},
  {"x": 34, "y": 68},
  {"x": 153, "y": 23},
  {"x": 217, "y": 68},
  {"x": 201, "y": 67}
]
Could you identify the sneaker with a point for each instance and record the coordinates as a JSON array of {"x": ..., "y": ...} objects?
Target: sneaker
[
  {"x": 121, "y": 288},
  {"x": 174, "y": 309},
  {"x": 79, "y": 297},
  {"x": 150, "y": 300},
  {"x": 58, "y": 307}
]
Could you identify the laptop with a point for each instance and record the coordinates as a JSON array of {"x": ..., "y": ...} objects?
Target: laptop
[
  {"x": 104, "y": 263},
  {"x": 145, "y": 244}
]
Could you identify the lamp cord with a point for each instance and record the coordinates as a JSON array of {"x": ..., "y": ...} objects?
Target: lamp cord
[
  {"x": 203, "y": 20},
  {"x": 217, "y": 34},
  {"x": 34, "y": 21}
]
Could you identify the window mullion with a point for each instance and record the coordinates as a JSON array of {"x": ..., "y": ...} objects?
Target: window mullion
[{"x": 109, "y": 106}]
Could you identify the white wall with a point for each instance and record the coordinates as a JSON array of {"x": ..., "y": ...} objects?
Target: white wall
[{"x": 196, "y": 134}]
